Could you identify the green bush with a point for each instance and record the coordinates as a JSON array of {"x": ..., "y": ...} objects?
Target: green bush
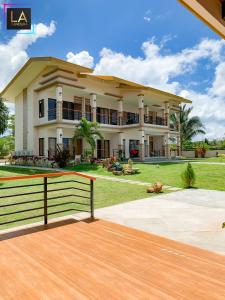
[{"x": 188, "y": 177}]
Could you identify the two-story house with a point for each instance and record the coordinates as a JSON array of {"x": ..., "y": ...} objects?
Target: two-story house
[{"x": 52, "y": 95}]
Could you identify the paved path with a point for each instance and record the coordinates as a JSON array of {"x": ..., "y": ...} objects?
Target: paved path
[{"x": 191, "y": 216}]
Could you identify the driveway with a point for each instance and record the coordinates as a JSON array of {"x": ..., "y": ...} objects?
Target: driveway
[{"x": 190, "y": 216}]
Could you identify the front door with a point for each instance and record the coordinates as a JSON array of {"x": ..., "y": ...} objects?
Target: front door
[
  {"x": 107, "y": 148},
  {"x": 103, "y": 149},
  {"x": 78, "y": 147},
  {"x": 51, "y": 147}
]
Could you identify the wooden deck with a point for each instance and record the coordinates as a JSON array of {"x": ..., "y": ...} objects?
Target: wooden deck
[{"x": 102, "y": 260}]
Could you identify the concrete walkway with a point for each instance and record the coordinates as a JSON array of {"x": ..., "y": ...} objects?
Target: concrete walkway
[{"x": 190, "y": 216}]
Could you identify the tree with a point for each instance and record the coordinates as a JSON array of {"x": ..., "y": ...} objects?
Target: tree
[
  {"x": 188, "y": 176},
  {"x": 89, "y": 131},
  {"x": 189, "y": 126},
  {"x": 11, "y": 124},
  {"x": 4, "y": 114}
]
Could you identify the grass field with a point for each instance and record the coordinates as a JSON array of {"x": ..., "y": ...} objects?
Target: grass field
[
  {"x": 106, "y": 193},
  {"x": 209, "y": 159},
  {"x": 208, "y": 176}
]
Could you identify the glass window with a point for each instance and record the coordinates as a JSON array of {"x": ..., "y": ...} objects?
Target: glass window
[
  {"x": 68, "y": 110},
  {"x": 41, "y": 147},
  {"x": 51, "y": 109},
  {"x": 41, "y": 108}
]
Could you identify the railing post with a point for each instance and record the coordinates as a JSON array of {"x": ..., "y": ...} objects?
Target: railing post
[
  {"x": 92, "y": 197},
  {"x": 45, "y": 200}
]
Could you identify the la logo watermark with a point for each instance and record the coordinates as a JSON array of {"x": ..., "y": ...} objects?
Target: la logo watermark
[{"x": 18, "y": 18}]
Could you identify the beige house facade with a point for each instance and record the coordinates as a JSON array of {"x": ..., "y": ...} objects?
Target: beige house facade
[{"x": 51, "y": 96}]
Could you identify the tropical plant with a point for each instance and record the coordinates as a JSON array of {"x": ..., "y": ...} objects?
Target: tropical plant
[
  {"x": 4, "y": 114},
  {"x": 7, "y": 145},
  {"x": 88, "y": 131},
  {"x": 188, "y": 176},
  {"x": 62, "y": 157},
  {"x": 11, "y": 124},
  {"x": 189, "y": 126}
]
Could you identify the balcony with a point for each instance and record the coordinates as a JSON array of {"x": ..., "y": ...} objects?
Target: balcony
[
  {"x": 130, "y": 118},
  {"x": 148, "y": 119},
  {"x": 108, "y": 116}
]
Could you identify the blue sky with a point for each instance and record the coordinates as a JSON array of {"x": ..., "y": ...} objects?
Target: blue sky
[{"x": 158, "y": 43}]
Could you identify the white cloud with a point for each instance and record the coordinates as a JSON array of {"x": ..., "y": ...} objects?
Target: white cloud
[
  {"x": 147, "y": 19},
  {"x": 13, "y": 54},
  {"x": 162, "y": 71},
  {"x": 82, "y": 58},
  {"x": 157, "y": 69}
]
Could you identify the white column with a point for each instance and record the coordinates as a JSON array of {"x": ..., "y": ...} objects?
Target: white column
[
  {"x": 93, "y": 103},
  {"x": 142, "y": 145},
  {"x": 141, "y": 109},
  {"x": 59, "y": 100},
  {"x": 167, "y": 113},
  {"x": 83, "y": 108},
  {"x": 59, "y": 137},
  {"x": 120, "y": 112},
  {"x": 167, "y": 145}
]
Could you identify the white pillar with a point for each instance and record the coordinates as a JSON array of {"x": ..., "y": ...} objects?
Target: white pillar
[
  {"x": 167, "y": 145},
  {"x": 167, "y": 113},
  {"x": 120, "y": 112},
  {"x": 59, "y": 137},
  {"x": 141, "y": 109},
  {"x": 83, "y": 108},
  {"x": 142, "y": 144},
  {"x": 93, "y": 103},
  {"x": 59, "y": 100}
]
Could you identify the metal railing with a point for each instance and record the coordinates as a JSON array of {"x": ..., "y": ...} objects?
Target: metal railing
[
  {"x": 8, "y": 208},
  {"x": 155, "y": 121}
]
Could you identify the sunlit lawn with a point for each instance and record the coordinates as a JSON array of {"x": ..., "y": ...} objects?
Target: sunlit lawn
[{"x": 208, "y": 176}]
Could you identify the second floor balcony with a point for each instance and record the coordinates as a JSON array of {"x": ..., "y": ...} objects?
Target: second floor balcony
[
  {"x": 73, "y": 112},
  {"x": 149, "y": 119}
]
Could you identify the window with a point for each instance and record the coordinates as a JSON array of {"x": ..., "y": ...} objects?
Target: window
[
  {"x": 41, "y": 147},
  {"x": 41, "y": 108},
  {"x": 113, "y": 117},
  {"x": 68, "y": 110},
  {"x": 51, "y": 109}
]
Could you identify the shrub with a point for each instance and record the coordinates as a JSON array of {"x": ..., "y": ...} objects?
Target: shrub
[
  {"x": 62, "y": 157},
  {"x": 188, "y": 176}
]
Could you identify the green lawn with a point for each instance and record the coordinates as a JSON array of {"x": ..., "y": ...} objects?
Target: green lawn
[
  {"x": 208, "y": 176},
  {"x": 209, "y": 159},
  {"x": 106, "y": 193}
]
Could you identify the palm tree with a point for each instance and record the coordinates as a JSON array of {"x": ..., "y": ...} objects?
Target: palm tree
[
  {"x": 89, "y": 131},
  {"x": 189, "y": 126}
]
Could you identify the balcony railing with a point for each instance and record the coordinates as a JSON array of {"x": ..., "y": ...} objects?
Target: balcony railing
[
  {"x": 19, "y": 202},
  {"x": 155, "y": 121},
  {"x": 130, "y": 119},
  {"x": 107, "y": 119},
  {"x": 70, "y": 114}
]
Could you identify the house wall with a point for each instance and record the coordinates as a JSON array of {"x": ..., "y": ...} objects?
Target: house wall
[
  {"x": 19, "y": 122},
  {"x": 40, "y": 127}
]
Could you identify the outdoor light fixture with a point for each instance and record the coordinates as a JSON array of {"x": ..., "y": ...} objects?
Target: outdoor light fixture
[{"x": 223, "y": 10}]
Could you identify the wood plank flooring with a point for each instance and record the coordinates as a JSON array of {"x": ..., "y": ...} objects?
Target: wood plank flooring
[{"x": 102, "y": 260}]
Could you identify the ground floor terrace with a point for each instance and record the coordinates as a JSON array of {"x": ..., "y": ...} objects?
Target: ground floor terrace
[
  {"x": 97, "y": 259},
  {"x": 135, "y": 143}
]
